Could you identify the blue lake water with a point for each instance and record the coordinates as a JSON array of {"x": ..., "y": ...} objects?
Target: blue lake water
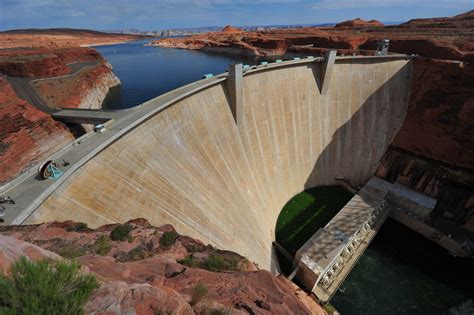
[
  {"x": 400, "y": 273},
  {"x": 147, "y": 71}
]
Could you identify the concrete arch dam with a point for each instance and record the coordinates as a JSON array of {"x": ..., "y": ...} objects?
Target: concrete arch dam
[{"x": 191, "y": 165}]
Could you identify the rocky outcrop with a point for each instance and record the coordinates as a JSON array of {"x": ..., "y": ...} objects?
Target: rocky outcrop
[
  {"x": 150, "y": 270},
  {"x": 231, "y": 29},
  {"x": 359, "y": 23},
  {"x": 27, "y": 135},
  {"x": 11, "y": 249}
]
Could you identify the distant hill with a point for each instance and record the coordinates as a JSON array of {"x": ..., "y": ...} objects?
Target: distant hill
[
  {"x": 464, "y": 20},
  {"x": 58, "y": 31}
]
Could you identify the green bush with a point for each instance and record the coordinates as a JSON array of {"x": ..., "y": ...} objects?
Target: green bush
[
  {"x": 72, "y": 250},
  {"x": 215, "y": 263},
  {"x": 77, "y": 227},
  {"x": 136, "y": 254},
  {"x": 168, "y": 238},
  {"x": 199, "y": 292},
  {"x": 212, "y": 263},
  {"x": 102, "y": 245},
  {"x": 45, "y": 288},
  {"x": 189, "y": 261},
  {"x": 120, "y": 233}
]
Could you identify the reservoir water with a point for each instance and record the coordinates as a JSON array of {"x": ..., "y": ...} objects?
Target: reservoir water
[
  {"x": 147, "y": 71},
  {"x": 400, "y": 273}
]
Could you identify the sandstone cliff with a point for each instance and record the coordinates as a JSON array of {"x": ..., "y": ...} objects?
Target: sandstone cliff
[
  {"x": 27, "y": 135},
  {"x": 149, "y": 270}
]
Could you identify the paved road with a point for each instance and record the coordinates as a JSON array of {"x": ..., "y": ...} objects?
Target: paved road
[{"x": 24, "y": 90}]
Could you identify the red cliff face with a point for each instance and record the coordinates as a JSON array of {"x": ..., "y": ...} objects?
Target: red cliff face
[
  {"x": 144, "y": 274},
  {"x": 440, "y": 119},
  {"x": 27, "y": 135}
]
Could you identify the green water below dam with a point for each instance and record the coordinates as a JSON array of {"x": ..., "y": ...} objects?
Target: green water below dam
[{"x": 401, "y": 272}]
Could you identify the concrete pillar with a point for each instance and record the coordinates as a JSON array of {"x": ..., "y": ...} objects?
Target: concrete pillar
[
  {"x": 326, "y": 70},
  {"x": 234, "y": 88}
]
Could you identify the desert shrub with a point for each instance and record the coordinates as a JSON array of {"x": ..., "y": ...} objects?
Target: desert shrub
[
  {"x": 189, "y": 261},
  {"x": 233, "y": 264},
  {"x": 72, "y": 250},
  {"x": 77, "y": 227},
  {"x": 198, "y": 293},
  {"x": 120, "y": 233},
  {"x": 214, "y": 263},
  {"x": 45, "y": 288},
  {"x": 194, "y": 248},
  {"x": 102, "y": 245},
  {"x": 168, "y": 238},
  {"x": 136, "y": 254}
]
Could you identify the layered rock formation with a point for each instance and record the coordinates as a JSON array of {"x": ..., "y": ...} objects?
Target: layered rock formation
[
  {"x": 155, "y": 270},
  {"x": 27, "y": 135}
]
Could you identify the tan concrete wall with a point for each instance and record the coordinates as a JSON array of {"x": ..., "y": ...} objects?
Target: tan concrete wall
[{"x": 191, "y": 166}]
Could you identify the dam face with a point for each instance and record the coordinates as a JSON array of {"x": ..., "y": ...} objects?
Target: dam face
[{"x": 192, "y": 166}]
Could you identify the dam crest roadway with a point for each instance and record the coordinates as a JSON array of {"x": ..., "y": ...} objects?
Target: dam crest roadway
[{"x": 219, "y": 158}]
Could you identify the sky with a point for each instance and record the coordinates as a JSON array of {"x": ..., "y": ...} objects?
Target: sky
[{"x": 168, "y": 14}]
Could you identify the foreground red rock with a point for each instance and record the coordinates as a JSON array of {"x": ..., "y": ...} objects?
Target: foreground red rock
[
  {"x": 145, "y": 275},
  {"x": 11, "y": 249}
]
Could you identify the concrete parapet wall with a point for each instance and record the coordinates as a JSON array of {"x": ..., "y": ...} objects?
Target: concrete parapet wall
[{"x": 191, "y": 166}]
